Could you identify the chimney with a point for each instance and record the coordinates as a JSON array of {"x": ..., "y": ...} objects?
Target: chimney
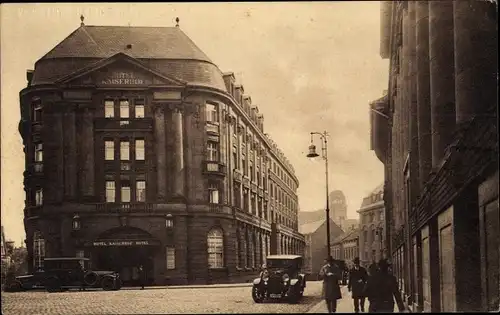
[
  {"x": 29, "y": 76},
  {"x": 229, "y": 81}
]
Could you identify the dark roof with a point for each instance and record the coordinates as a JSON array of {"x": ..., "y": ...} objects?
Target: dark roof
[
  {"x": 146, "y": 42},
  {"x": 367, "y": 200},
  {"x": 283, "y": 257},
  {"x": 350, "y": 235},
  {"x": 167, "y": 50}
]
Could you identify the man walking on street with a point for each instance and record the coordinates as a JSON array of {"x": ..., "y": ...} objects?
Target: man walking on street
[
  {"x": 142, "y": 276},
  {"x": 357, "y": 281},
  {"x": 382, "y": 289},
  {"x": 331, "y": 275}
]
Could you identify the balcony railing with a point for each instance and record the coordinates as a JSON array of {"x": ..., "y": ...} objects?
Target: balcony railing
[
  {"x": 211, "y": 128},
  {"x": 246, "y": 181},
  {"x": 237, "y": 175},
  {"x": 124, "y": 124},
  {"x": 125, "y": 207},
  {"x": 218, "y": 208},
  {"x": 261, "y": 192},
  {"x": 37, "y": 168},
  {"x": 213, "y": 167}
]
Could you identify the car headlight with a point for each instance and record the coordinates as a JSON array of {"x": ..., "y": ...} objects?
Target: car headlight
[{"x": 285, "y": 278}]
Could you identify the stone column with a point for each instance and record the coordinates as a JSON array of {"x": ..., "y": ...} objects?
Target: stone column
[
  {"x": 70, "y": 150},
  {"x": 179, "y": 178},
  {"x": 413, "y": 120},
  {"x": 476, "y": 62},
  {"x": 188, "y": 153},
  {"x": 442, "y": 71},
  {"x": 161, "y": 152},
  {"x": 423, "y": 92},
  {"x": 87, "y": 175}
]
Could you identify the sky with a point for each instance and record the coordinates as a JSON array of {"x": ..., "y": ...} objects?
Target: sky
[{"x": 309, "y": 66}]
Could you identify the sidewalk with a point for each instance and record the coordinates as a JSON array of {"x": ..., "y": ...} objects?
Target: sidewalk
[
  {"x": 344, "y": 305},
  {"x": 195, "y": 286}
]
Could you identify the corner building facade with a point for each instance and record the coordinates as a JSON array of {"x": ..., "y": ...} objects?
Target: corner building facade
[
  {"x": 436, "y": 131},
  {"x": 139, "y": 151}
]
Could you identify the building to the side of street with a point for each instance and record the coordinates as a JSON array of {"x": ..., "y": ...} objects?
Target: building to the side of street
[
  {"x": 316, "y": 250},
  {"x": 139, "y": 151},
  {"x": 346, "y": 247},
  {"x": 372, "y": 227},
  {"x": 436, "y": 133}
]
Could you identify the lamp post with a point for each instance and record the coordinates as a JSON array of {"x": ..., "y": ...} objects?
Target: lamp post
[{"x": 324, "y": 152}]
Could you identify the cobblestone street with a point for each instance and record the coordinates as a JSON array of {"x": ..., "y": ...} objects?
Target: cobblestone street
[{"x": 152, "y": 301}]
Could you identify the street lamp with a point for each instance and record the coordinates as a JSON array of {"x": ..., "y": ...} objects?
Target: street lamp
[{"x": 324, "y": 152}]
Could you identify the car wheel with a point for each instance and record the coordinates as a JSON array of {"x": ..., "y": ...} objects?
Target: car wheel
[
  {"x": 257, "y": 295},
  {"x": 294, "y": 295},
  {"x": 108, "y": 284},
  {"x": 90, "y": 279},
  {"x": 118, "y": 284},
  {"x": 53, "y": 285}
]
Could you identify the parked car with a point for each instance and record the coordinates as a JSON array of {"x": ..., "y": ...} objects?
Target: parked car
[
  {"x": 64, "y": 273},
  {"x": 282, "y": 278}
]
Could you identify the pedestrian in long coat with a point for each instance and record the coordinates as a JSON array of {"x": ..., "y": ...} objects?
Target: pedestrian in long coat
[
  {"x": 382, "y": 289},
  {"x": 142, "y": 276},
  {"x": 331, "y": 275},
  {"x": 357, "y": 281}
]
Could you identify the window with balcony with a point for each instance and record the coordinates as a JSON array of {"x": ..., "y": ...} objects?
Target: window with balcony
[
  {"x": 213, "y": 193},
  {"x": 140, "y": 191},
  {"x": 251, "y": 172},
  {"x": 244, "y": 165},
  {"x": 215, "y": 246},
  {"x": 124, "y": 109},
  {"x": 109, "y": 108},
  {"x": 246, "y": 203},
  {"x": 139, "y": 108},
  {"x": 212, "y": 113},
  {"x": 235, "y": 160},
  {"x": 124, "y": 150},
  {"x": 110, "y": 191},
  {"x": 125, "y": 192},
  {"x": 212, "y": 151},
  {"x": 139, "y": 150},
  {"x": 39, "y": 197},
  {"x": 109, "y": 150}
]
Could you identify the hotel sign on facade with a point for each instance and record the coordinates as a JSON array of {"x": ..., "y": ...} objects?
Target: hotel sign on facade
[
  {"x": 109, "y": 243},
  {"x": 123, "y": 78}
]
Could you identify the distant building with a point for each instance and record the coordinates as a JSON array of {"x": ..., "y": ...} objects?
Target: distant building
[
  {"x": 346, "y": 246},
  {"x": 315, "y": 239},
  {"x": 372, "y": 226},
  {"x": 338, "y": 207},
  {"x": 350, "y": 224}
]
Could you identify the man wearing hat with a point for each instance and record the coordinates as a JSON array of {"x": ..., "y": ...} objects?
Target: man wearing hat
[
  {"x": 331, "y": 275},
  {"x": 357, "y": 281}
]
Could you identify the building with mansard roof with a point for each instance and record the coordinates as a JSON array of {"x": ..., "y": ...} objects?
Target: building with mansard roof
[{"x": 140, "y": 151}]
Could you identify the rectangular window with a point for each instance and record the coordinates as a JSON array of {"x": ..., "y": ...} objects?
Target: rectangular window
[
  {"x": 109, "y": 150},
  {"x": 124, "y": 150},
  {"x": 139, "y": 108},
  {"x": 212, "y": 151},
  {"x": 213, "y": 194},
  {"x": 140, "y": 193},
  {"x": 212, "y": 113},
  {"x": 124, "y": 109},
  {"x": 170, "y": 255},
  {"x": 39, "y": 197},
  {"x": 235, "y": 160},
  {"x": 38, "y": 152},
  {"x": 139, "y": 150},
  {"x": 110, "y": 191},
  {"x": 39, "y": 253},
  {"x": 125, "y": 192},
  {"x": 109, "y": 109},
  {"x": 37, "y": 111}
]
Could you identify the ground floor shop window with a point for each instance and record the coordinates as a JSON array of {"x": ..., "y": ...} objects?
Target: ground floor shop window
[{"x": 38, "y": 250}]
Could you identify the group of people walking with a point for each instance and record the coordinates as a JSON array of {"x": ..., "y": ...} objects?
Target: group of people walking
[{"x": 377, "y": 285}]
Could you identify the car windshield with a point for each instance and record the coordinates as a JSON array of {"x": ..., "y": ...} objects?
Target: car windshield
[
  {"x": 279, "y": 263},
  {"x": 65, "y": 264}
]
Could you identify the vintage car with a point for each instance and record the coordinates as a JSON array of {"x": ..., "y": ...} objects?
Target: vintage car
[
  {"x": 63, "y": 273},
  {"x": 282, "y": 278}
]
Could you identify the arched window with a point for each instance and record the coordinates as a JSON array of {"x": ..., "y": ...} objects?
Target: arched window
[
  {"x": 215, "y": 241},
  {"x": 38, "y": 250}
]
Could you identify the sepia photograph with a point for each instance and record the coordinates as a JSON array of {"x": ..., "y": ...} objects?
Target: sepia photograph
[{"x": 249, "y": 157}]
